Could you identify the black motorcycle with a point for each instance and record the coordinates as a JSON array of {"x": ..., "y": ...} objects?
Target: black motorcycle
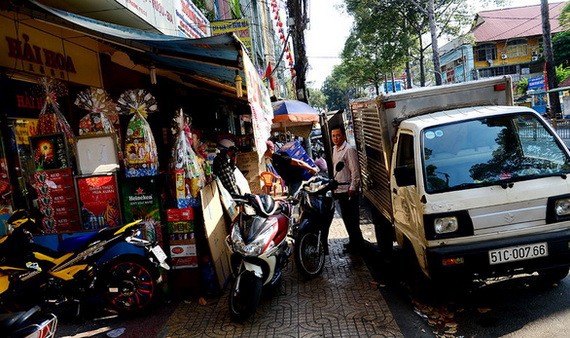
[{"x": 316, "y": 207}]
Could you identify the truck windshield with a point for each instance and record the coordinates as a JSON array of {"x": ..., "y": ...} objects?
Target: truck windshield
[{"x": 489, "y": 151}]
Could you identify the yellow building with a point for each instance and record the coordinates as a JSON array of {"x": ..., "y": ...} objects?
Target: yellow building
[{"x": 508, "y": 41}]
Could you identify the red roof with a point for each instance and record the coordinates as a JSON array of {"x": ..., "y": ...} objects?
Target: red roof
[{"x": 515, "y": 22}]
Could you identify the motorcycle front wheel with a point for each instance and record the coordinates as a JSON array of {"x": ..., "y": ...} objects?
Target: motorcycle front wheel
[
  {"x": 244, "y": 296},
  {"x": 309, "y": 254},
  {"x": 129, "y": 284}
]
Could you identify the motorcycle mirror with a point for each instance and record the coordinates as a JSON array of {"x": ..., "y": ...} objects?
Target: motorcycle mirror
[{"x": 339, "y": 166}]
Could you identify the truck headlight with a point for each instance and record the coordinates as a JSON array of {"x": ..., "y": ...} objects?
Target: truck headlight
[
  {"x": 558, "y": 209},
  {"x": 448, "y": 225},
  {"x": 562, "y": 207},
  {"x": 445, "y": 225}
]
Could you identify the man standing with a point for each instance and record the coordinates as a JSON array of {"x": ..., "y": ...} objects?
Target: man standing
[
  {"x": 347, "y": 195},
  {"x": 224, "y": 165}
]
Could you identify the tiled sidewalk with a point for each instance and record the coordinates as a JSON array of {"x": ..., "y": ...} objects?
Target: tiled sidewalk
[{"x": 343, "y": 302}]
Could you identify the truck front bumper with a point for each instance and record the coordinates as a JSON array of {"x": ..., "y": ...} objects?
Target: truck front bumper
[{"x": 474, "y": 259}]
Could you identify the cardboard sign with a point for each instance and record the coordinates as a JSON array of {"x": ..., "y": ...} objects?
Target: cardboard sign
[{"x": 215, "y": 231}]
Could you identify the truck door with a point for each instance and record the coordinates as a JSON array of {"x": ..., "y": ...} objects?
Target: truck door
[{"x": 405, "y": 198}]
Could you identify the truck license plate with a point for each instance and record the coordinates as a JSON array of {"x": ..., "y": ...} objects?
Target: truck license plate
[
  {"x": 159, "y": 254},
  {"x": 518, "y": 253}
]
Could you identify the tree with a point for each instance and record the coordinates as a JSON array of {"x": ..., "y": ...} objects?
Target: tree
[
  {"x": 561, "y": 48},
  {"x": 378, "y": 44},
  {"x": 317, "y": 99},
  {"x": 418, "y": 17},
  {"x": 339, "y": 90}
]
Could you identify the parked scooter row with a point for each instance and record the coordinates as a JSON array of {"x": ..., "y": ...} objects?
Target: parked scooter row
[
  {"x": 268, "y": 231},
  {"x": 113, "y": 264},
  {"x": 33, "y": 323}
]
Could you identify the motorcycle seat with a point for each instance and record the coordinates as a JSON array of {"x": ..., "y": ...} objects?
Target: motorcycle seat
[{"x": 72, "y": 244}]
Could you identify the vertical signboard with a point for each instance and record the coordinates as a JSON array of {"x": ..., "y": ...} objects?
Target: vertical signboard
[
  {"x": 190, "y": 22},
  {"x": 260, "y": 103}
]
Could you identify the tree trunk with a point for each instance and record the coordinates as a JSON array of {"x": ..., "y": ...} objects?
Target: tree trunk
[
  {"x": 553, "y": 97},
  {"x": 434, "y": 47},
  {"x": 422, "y": 67},
  {"x": 408, "y": 75}
]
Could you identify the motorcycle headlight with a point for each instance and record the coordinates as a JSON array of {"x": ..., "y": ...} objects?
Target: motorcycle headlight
[{"x": 256, "y": 246}]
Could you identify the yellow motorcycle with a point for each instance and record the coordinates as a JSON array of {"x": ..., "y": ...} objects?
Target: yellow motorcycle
[{"x": 114, "y": 265}]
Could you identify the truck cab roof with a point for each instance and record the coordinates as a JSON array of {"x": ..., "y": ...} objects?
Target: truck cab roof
[{"x": 418, "y": 123}]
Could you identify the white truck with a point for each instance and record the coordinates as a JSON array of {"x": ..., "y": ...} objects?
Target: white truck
[{"x": 470, "y": 186}]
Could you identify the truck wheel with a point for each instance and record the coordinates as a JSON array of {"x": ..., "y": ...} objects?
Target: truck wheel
[
  {"x": 418, "y": 284},
  {"x": 384, "y": 233},
  {"x": 553, "y": 275}
]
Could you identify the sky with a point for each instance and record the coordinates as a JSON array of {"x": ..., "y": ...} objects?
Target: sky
[{"x": 329, "y": 29}]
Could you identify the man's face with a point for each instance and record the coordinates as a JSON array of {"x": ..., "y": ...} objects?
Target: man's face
[{"x": 337, "y": 137}]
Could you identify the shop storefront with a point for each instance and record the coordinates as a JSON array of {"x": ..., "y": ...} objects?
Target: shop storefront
[{"x": 131, "y": 136}]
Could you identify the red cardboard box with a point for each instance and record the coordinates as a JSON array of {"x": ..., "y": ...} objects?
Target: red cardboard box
[
  {"x": 180, "y": 214},
  {"x": 183, "y": 254}
]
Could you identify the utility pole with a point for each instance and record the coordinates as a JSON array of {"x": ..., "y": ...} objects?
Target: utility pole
[
  {"x": 553, "y": 97},
  {"x": 298, "y": 13}
]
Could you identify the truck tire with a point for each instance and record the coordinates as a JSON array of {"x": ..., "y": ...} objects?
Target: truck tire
[
  {"x": 384, "y": 231},
  {"x": 553, "y": 275}
]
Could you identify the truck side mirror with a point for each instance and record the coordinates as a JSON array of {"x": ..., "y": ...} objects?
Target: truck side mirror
[{"x": 405, "y": 176}]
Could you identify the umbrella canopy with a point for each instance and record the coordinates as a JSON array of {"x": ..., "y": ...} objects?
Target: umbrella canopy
[
  {"x": 294, "y": 116},
  {"x": 294, "y": 111}
]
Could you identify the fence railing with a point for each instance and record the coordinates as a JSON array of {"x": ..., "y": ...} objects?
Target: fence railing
[{"x": 562, "y": 127}]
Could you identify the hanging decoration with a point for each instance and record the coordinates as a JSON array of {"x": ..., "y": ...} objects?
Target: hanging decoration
[
  {"x": 187, "y": 174},
  {"x": 51, "y": 120},
  {"x": 98, "y": 103},
  {"x": 141, "y": 155},
  {"x": 283, "y": 37},
  {"x": 97, "y": 121}
]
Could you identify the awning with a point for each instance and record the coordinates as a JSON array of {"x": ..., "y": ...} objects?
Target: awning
[{"x": 217, "y": 58}]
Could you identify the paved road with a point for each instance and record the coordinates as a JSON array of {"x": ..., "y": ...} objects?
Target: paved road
[{"x": 344, "y": 302}]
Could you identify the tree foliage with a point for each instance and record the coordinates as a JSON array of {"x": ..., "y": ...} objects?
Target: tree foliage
[
  {"x": 317, "y": 99},
  {"x": 339, "y": 89},
  {"x": 561, "y": 47},
  {"x": 562, "y": 73}
]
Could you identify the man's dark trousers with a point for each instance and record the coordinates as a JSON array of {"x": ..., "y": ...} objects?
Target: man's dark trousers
[{"x": 350, "y": 212}]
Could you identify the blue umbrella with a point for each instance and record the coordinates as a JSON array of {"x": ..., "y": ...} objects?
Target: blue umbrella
[{"x": 293, "y": 111}]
